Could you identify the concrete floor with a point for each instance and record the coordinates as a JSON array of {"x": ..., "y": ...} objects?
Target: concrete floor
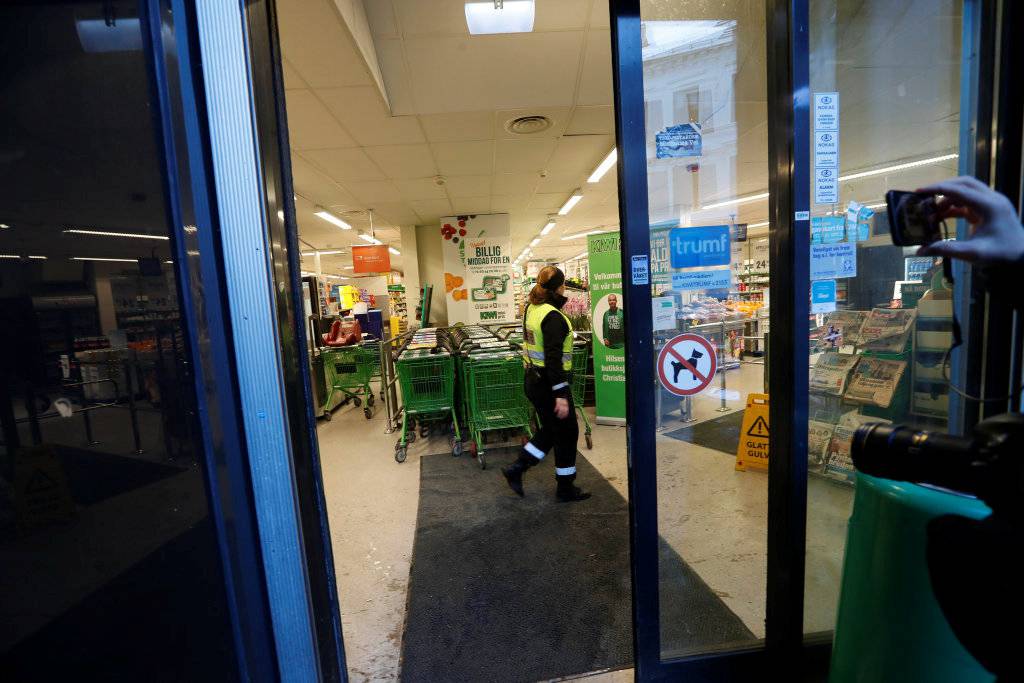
[{"x": 712, "y": 515}]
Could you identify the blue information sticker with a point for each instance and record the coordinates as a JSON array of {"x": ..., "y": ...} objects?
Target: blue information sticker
[
  {"x": 699, "y": 247},
  {"x": 684, "y": 140},
  {"x": 717, "y": 278},
  {"x": 823, "y": 296}
]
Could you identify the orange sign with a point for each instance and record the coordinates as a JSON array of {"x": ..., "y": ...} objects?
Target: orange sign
[
  {"x": 753, "y": 447},
  {"x": 373, "y": 258}
]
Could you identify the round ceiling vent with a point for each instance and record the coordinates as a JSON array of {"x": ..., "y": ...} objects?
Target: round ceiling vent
[{"x": 528, "y": 125}]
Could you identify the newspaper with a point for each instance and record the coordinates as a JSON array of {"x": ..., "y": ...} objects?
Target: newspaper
[
  {"x": 831, "y": 371},
  {"x": 887, "y": 329},
  {"x": 874, "y": 381},
  {"x": 838, "y": 462},
  {"x": 841, "y": 328},
  {"x": 819, "y": 435}
]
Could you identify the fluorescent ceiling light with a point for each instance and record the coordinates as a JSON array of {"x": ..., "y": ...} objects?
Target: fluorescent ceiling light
[
  {"x": 899, "y": 167},
  {"x": 111, "y": 233},
  {"x": 547, "y": 228},
  {"x": 332, "y": 219},
  {"x": 736, "y": 200},
  {"x": 582, "y": 234},
  {"x": 499, "y": 16},
  {"x": 757, "y": 225},
  {"x": 170, "y": 263},
  {"x": 394, "y": 251},
  {"x": 97, "y": 258},
  {"x": 603, "y": 167},
  {"x": 330, "y": 252},
  {"x": 4, "y": 226},
  {"x": 535, "y": 242},
  {"x": 9, "y": 256},
  {"x": 38, "y": 258},
  {"x": 878, "y": 205},
  {"x": 367, "y": 238},
  {"x": 570, "y": 202}
]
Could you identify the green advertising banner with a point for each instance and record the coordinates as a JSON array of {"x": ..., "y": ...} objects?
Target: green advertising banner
[{"x": 609, "y": 328}]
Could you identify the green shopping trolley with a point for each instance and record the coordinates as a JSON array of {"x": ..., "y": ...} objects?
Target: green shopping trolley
[
  {"x": 427, "y": 383},
  {"x": 494, "y": 387},
  {"x": 578, "y": 384},
  {"x": 348, "y": 371}
]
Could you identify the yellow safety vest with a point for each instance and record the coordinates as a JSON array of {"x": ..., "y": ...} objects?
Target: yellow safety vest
[{"x": 533, "y": 336}]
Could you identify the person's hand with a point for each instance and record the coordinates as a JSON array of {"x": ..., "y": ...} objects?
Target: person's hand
[
  {"x": 607, "y": 342},
  {"x": 561, "y": 408},
  {"x": 997, "y": 237}
]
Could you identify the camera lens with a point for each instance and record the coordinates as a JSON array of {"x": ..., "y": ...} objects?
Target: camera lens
[{"x": 906, "y": 454}]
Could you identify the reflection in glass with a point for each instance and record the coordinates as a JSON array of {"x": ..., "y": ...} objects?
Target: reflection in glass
[
  {"x": 706, "y": 115},
  {"x": 108, "y": 557}
]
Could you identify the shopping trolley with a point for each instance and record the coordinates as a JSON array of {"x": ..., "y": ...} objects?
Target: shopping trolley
[
  {"x": 494, "y": 387},
  {"x": 348, "y": 370},
  {"x": 426, "y": 380},
  {"x": 578, "y": 384}
]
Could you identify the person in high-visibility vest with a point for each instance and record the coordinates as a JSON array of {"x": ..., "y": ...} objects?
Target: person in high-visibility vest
[{"x": 547, "y": 353}]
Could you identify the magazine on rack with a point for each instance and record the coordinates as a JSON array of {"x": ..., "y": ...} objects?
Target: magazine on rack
[
  {"x": 819, "y": 435},
  {"x": 831, "y": 371},
  {"x": 874, "y": 381},
  {"x": 838, "y": 462},
  {"x": 841, "y": 328},
  {"x": 887, "y": 329}
]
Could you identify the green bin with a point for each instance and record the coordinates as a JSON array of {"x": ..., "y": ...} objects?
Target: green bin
[{"x": 889, "y": 626}]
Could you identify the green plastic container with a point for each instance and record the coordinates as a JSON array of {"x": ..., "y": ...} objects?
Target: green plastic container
[{"x": 890, "y": 627}]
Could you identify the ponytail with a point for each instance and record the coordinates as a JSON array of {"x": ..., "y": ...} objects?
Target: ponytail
[{"x": 549, "y": 279}]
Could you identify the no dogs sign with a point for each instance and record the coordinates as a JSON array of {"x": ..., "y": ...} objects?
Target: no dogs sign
[{"x": 687, "y": 364}]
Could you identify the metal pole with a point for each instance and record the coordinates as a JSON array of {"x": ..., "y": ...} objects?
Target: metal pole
[
  {"x": 88, "y": 428},
  {"x": 132, "y": 413},
  {"x": 33, "y": 417},
  {"x": 721, "y": 375}
]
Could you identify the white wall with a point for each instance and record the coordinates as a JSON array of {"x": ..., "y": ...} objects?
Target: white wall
[{"x": 430, "y": 259}]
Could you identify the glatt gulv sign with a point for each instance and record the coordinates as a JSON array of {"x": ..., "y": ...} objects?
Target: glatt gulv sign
[{"x": 699, "y": 247}]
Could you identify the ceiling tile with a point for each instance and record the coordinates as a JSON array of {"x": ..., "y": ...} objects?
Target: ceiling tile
[
  {"x": 471, "y": 205},
  {"x": 559, "y": 117},
  {"x": 318, "y": 45},
  {"x": 318, "y": 186},
  {"x": 399, "y": 213},
  {"x": 596, "y": 82},
  {"x": 431, "y": 210},
  {"x": 592, "y": 120},
  {"x": 404, "y": 161},
  {"x": 561, "y": 15},
  {"x": 509, "y": 203},
  {"x": 372, "y": 191},
  {"x": 464, "y": 158},
  {"x": 416, "y": 17},
  {"x": 522, "y": 156},
  {"x": 468, "y": 125},
  {"x": 363, "y": 114},
  {"x": 563, "y": 183},
  {"x": 548, "y": 202},
  {"x": 420, "y": 188},
  {"x": 469, "y": 186},
  {"x": 580, "y": 154},
  {"x": 310, "y": 124},
  {"x": 391, "y": 59},
  {"x": 515, "y": 183},
  {"x": 599, "y": 15},
  {"x": 380, "y": 15},
  {"x": 345, "y": 164},
  {"x": 292, "y": 79}
]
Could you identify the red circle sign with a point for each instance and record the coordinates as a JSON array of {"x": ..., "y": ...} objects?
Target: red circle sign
[{"x": 687, "y": 364}]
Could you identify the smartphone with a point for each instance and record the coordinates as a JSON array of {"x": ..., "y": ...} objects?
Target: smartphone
[{"x": 913, "y": 218}]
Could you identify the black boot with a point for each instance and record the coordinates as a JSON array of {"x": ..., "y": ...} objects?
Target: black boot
[
  {"x": 567, "y": 491},
  {"x": 514, "y": 472}
]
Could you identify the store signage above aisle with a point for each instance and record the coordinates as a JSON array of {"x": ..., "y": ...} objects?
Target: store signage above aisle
[
  {"x": 752, "y": 450},
  {"x": 699, "y": 247},
  {"x": 831, "y": 261},
  {"x": 687, "y": 364},
  {"x": 477, "y": 252},
  {"x": 823, "y": 296},
  {"x": 826, "y": 147},
  {"x": 372, "y": 258},
  {"x": 684, "y": 140},
  {"x": 713, "y": 278}
]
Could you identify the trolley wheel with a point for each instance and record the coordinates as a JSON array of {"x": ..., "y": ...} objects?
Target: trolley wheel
[
  {"x": 482, "y": 461},
  {"x": 368, "y": 412},
  {"x": 400, "y": 454},
  {"x": 369, "y": 399},
  {"x": 412, "y": 436},
  {"x": 357, "y": 401},
  {"x": 590, "y": 442},
  {"x": 328, "y": 415},
  {"x": 456, "y": 449}
]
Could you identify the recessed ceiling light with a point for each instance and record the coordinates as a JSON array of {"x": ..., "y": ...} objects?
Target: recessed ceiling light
[
  {"x": 570, "y": 202},
  {"x": 111, "y": 233},
  {"x": 394, "y": 251},
  {"x": 98, "y": 258},
  {"x": 547, "y": 228},
  {"x": 603, "y": 167},
  {"x": 499, "y": 16},
  {"x": 367, "y": 238},
  {"x": 331, "y": 218},
  {"x": 4, "y": 226}
]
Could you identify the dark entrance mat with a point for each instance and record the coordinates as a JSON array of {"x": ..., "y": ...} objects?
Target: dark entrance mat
[
  {"x": 94, "y": 477},
  {"x": 721, "y": 433},
  {"x": 509, "y": 589}
]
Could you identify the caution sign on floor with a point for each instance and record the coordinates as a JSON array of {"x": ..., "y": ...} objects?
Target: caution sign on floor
[
  {"x": 753, "y": 447},
  {"x": 41, "y": 491}
]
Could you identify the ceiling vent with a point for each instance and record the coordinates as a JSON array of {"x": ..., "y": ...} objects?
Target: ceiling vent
[{"x": 528, "y": 125}]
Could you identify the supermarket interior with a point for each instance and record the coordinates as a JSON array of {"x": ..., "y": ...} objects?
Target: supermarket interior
[{"x": 436, "y": 170}]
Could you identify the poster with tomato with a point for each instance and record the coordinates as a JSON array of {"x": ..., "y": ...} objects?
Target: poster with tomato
[{"x": 477, "y": 268}]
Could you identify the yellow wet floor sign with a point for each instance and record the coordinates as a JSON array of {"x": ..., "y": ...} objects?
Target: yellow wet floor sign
[{"x": 753, "y": 447}]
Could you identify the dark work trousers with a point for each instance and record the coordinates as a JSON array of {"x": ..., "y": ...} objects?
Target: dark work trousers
[{"x": 560, "y": 434}]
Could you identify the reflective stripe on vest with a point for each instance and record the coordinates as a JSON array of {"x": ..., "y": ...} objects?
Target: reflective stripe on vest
[{"x": 533, "y": 338}]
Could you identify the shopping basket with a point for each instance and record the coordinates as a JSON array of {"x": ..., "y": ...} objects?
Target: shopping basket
[
  {"x": 494, "y": 387},
  {"x": 578, "y": 383},
  {"x": 348, "y": 371},
  {"x": 426, "y": 381}
]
